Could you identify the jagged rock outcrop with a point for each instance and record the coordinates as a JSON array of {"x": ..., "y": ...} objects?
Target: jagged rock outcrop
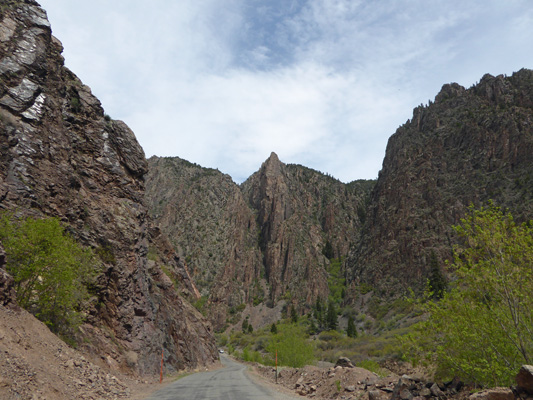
[
  {"x": 60, "y": 156},
  {"x": 260, "y": 242},
  {"x": 204, "y": 214},
  {"x": 469, "y": 146},
  {"x": 298, "y": 211}
]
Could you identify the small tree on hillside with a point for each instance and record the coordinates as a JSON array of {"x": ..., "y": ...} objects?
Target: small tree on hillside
[
  {"x": 482, "y": 329},
  {"x": 350, "y": 330},
  {"x": 331, "y": 318},
  {"x": 437, "y": 281},
  {"x": 294, "y": 315},
  {"x": 50, "y": 269}
]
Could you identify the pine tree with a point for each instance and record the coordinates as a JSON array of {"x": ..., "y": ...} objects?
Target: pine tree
[
  {"x": 350, "y": 330},
  {"x": 294, "y": 315},
  {"x": 331, "y": 318},
  {"x": 437, "y": 281}
]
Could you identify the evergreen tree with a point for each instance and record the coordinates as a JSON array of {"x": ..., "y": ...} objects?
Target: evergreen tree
[
  {"x": 294, "y": 315},
  {"x": 350, "y": 330},
  {"x": 331, "y": 318},
  {"x": 318, "y": 313},
  {"x": 313, "y": 329},
  {"x": 437, "y": 281},
  {"x": 274, "y": 328}
]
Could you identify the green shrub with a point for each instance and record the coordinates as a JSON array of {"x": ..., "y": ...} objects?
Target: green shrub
[
  {"x": 292, "y": 346},
  {"x": 481, "y": 329},
  {"x": 372, "y": 366},
  {"x": 50, "y": 269}
]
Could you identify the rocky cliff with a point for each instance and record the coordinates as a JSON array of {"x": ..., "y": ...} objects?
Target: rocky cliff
[
  {"x": 299, "y": 211},
  {"x": 204, "y": 214},
  {"x": 61, "y": 156},
  {"x": 262, "y": 241},
  {"x": 467, "y": 147}
]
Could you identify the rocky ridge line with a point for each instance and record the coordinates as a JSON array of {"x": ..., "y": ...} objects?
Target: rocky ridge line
[{"x": 467, "y": 147}]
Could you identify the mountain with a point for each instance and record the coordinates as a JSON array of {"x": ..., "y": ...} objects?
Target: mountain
[
  {"x": 299, "y": 211},
  {"x": 61, "y": 156},
  {"x": 469, "y": 146},
  {"x": 206, "y": 217},
  {"x": 261, "y": 242}
]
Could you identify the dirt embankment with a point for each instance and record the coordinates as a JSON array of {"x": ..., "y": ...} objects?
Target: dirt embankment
[{"x": 35, "y": 364}]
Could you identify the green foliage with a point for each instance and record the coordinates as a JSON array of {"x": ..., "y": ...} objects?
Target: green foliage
[
  {"x": 338, "y": 385},
  {"x": 336, "y": 281},
  {"x": 274, "y": 328},
  {"x": 252, "y": 356},
  {"x": 331, "y": 345},
  {"x": 482, "y": 330},
  {"x": 320, "y": 315},
  {"x": 152, "y": 253},
  {"x": 372, "y": 366},
  {"x": 200, "y": 304},
  {"x": 293, "y": 348},
  {"x": 350, "y": 330},
  {"x": 294, "y": 315},
  {"x": 50, "y": 269},
  {"x": 437, "y": 281},
  {"x": 106, "y": 254},
  {"x": 237, "y": 309},
  {"x": 331, "y": 316},
  {"x": 365, "y": 288}
]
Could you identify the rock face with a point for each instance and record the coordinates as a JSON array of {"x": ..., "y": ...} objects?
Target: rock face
[
  {"x": 204, "y": 214},
  {"x": 60, "y": 156},
  {"x": 261, "y": 242},
  {"x": 7, "y": 290},
  {"x": 469, "y": 146},
  {"x": 524, "y": 379},
  {"x": 298, "y": 211}
]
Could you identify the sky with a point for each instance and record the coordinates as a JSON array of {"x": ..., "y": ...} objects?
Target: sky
[{"x": 323, "y": 83}]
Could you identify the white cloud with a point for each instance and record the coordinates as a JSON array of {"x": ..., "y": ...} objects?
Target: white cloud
[{"x": 323, "y": 83}]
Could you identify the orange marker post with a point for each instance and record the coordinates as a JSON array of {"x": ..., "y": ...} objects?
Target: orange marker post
[
  {"x": 276, "y": 366},
  {"x": 161, "y": 375}
]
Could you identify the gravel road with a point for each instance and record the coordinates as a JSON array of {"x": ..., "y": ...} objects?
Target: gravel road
[{"x": 229, "y": 383}]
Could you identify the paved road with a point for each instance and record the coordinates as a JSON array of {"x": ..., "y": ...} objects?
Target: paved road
[{"x": 228, "y": 383}]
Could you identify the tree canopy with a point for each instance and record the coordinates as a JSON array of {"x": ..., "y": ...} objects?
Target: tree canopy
[
  {"x": 482, "y": 329},
  {"x": 50, "y": 269}
]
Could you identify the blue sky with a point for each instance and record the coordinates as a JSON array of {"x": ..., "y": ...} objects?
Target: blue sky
[{"x": 323, "y": 83}]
